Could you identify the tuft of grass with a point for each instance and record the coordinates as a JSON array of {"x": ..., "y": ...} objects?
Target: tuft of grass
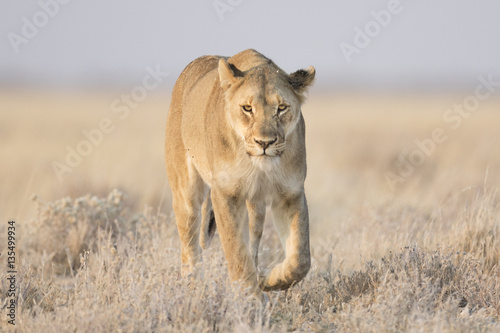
[{"x": 478, "y": 230}]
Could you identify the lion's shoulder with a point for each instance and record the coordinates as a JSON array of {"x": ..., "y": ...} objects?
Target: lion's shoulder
[{"x": 197, "y": 69}]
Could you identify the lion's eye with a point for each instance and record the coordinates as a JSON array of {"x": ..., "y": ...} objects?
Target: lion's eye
[
  {"x": 247, "y": 108},
  {"x": 282, "y": 107}
]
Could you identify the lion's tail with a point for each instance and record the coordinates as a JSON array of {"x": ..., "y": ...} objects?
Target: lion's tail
[{"x": 208, "y": 225}]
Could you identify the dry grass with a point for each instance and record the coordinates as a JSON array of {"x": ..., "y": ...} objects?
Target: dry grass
[{"x": 424, "y": 256}]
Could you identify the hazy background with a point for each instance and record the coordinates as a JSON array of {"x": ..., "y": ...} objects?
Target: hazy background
[{"x": 94, "y": 44}]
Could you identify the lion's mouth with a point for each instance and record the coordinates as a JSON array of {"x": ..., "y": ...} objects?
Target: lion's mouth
[{"x": 264, "y": 153}]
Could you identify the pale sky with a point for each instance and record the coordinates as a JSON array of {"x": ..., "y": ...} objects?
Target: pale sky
[{"x": 86, "y": 42}]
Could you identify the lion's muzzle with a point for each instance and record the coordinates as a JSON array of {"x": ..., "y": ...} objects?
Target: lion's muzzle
[
  {"x": 271, "y": 148},
  {"x": 265, "y": 144}
]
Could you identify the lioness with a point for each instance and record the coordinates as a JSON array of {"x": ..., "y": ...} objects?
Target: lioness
[{"x": 235, "y": 144}]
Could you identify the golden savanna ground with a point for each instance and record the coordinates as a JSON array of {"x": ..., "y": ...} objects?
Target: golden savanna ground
[{"x": 418, "y": 253}]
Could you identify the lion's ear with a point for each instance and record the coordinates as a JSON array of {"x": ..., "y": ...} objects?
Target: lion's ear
[
  {"x": 302, "y": 79},
  {"x": 228, "y": 73}
]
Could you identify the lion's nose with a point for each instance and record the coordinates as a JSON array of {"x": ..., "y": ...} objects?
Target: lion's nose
[{"x": 265, "y": 143}]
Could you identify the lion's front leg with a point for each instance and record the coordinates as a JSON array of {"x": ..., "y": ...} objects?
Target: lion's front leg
[
  {"x": 292, "y": 223},
  {"x": 230, "y": 217},
  {"x": 256, "y": 216}
]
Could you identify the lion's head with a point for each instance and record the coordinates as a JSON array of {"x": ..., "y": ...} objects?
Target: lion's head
[{"x": 263, "y": 104}]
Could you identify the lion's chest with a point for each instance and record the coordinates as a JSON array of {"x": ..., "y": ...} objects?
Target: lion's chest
[{"x": 258, "y": 180}]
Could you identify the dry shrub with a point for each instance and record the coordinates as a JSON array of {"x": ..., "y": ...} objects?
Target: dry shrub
[
  {"x": 411, "y": 290},
  {"x": 66, "y": 228},
  {"x": 422, "y": 290}
]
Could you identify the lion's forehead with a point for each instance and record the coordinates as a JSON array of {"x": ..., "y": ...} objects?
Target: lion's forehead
[
  {"x": 270, "y": 93},
  {"x": 267, "y": 85},
  {"x": 266, "y": 98}
]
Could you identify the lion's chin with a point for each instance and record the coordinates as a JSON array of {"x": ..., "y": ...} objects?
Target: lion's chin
[
  {"x": 261, "y": 155},
  {"x": 265, "y": 162}
]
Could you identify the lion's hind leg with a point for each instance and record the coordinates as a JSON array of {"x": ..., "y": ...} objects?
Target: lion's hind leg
[
  {"x": 208, "y": 226},
  {"x": 189, "y": 192}
]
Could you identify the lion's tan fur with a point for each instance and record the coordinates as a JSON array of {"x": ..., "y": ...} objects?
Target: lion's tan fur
[{"x": 220, "y": 156}]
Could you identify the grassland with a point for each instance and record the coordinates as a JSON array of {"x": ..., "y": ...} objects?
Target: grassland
[{"x": 421, "y": 254}]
